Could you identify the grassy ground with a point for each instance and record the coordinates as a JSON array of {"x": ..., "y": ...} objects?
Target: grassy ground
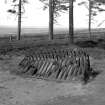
[{"x": 16, "y": 90}]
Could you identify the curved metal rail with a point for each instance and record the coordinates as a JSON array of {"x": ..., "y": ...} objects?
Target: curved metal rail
[{"x": 56, "y": 64}]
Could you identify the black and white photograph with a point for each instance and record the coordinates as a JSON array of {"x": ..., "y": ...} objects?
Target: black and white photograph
[{"x": 52, "y": 52}]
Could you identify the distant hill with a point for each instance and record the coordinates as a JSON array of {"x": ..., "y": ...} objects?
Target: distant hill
[{"x": 5, "y": 31}]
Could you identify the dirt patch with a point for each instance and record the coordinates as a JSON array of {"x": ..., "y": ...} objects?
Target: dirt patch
[{"x": 16, "y": 90}]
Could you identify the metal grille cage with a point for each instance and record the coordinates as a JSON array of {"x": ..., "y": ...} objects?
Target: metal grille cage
[{"x": 63, "y": 64}]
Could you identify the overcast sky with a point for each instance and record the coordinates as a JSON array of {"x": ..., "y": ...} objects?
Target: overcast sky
[{"x": 36, "y": 17}]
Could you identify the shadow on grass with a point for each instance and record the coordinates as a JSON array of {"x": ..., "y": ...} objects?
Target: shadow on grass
[
  {"x": 88, "y": 43},
  {"x": 100, "y": 43},
  {"x": 88, "y": 77}
]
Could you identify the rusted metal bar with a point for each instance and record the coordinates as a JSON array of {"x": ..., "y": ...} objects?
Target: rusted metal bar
[{"x": 59, "y": 64}]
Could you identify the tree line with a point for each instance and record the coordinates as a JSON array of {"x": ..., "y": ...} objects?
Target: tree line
[{"x": 57, "y": 6}]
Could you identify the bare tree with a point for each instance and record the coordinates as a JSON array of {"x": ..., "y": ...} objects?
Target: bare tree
[
  {"x": 55, "y": 8},
  {"x": 71, "y": 23},
  {"x": 51, "y": 9},
  {"x": 90, "y": 16},
  {"x": 19, "y": 21},
  {"x": 93, "y": 7},
  {"x": 18, "y": 12}
]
